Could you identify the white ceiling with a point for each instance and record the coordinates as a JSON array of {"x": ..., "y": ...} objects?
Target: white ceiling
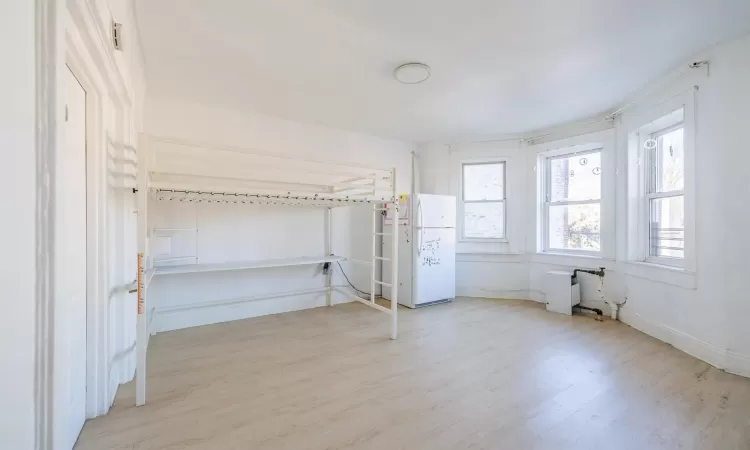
[{"x": 498, "y": 66}]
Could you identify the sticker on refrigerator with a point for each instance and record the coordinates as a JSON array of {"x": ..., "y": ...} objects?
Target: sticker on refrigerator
[{"x": 428, "y": 250}]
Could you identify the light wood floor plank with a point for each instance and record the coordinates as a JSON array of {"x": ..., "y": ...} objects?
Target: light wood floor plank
[{"x": 474, "y": 374}]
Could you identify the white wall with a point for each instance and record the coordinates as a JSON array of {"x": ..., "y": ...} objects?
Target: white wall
[
  {"x": 702, "y": 313},
  {"x": 724, "y": 115},
  {"x": 230, "y": 232},
  {"x": 18, "y": 187}
]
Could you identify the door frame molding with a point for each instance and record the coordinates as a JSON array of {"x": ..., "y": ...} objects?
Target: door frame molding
[
  {"x": 71, "y": 36},
  {"x": 96, "y": 277},
  {"x": 89, "y": 56},
  {"x": 63, "y": 331},
  {"x": 48, "y": 115}
]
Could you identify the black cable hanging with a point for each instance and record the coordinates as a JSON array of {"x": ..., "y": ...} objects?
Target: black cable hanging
[{"x": 350, "y": 283}]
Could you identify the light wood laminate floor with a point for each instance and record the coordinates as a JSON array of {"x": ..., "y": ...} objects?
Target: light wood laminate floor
[{"x": 479, "y": 374}]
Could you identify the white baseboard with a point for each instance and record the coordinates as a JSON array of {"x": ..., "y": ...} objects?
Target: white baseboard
[
  {"x": 176, "y": 318},
  {"x": 521, "y": 294},
  {"x": 693, "y": 346},
  {"x": 537, "y": 296},
  {"x": 114, "y": 385},
  {"x": 728, "y": 361},
  {"x": 738, "y": 364},
  {"x": 502, "y": 294},
  {"x": 121, "y": 370}
]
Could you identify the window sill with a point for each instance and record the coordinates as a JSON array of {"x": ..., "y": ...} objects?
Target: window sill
[
  {"x": 571, "y": 259},
  {"x": 483, "y": 241},
  {"x": 675, "y": 276},
  {"x": 489, "y": 257},
  {"x": 571, "y": 254},
  {"x": 473, "y": 252}
]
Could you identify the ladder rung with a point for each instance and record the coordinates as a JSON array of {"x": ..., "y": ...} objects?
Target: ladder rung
[
  {"x": 381, "y": 258},
  {"x": 382, "y": 234},
  {"x": 383, "y": 283}
]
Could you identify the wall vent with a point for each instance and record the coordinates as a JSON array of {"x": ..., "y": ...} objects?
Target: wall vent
[{"x": 117, "y": 35}]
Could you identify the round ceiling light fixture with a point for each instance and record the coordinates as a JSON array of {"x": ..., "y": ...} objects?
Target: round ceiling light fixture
[{"x": 412, "y": 73}]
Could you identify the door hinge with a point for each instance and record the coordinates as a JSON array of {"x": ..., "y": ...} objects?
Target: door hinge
[
  {"x": 116, "y": 35},
  {"x": 66, "y": 113}
]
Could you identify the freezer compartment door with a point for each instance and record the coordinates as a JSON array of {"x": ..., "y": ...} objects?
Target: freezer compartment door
[
  {"x": 435, "y": 265},
  {"x": 435, "y": 211}
]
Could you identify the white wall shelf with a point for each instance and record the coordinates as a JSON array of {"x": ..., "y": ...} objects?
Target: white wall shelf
[
  {"x": 176, "y": 258},
  {"x": 245, "y": 265}
]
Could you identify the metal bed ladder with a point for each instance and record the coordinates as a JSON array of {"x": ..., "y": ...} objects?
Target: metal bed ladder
[{"x": 376, "y": 215}]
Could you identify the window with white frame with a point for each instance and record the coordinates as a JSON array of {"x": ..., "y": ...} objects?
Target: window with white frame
[
  {"x": 571, "y": 216},
  {"x": 483, "y": 200},
  {"x": 663, "y": 158}
]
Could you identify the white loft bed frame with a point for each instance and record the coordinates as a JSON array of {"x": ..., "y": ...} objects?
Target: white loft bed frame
[{"x": 173, "y": 170}]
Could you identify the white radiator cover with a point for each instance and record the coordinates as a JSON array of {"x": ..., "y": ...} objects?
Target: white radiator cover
[{"x": 560, "y": 291}]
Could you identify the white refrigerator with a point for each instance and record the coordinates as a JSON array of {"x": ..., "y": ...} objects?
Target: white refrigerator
[{"x": 427, "y": 251}]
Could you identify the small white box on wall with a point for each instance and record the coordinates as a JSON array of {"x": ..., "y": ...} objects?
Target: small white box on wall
[
  {"x": 562, "y": 293},
  {"x": 161, "y": 245}
]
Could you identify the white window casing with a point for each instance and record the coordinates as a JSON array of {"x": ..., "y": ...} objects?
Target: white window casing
[
  {"x": 596, "y": 147},
  {"x": 496, "y": 199},
  {"x": 550, "y": 202},
  {"x": 644, "y": 192}
]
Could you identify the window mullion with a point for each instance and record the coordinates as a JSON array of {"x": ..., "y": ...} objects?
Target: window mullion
[
  {"x": 574, "y": 202},
  {"x": 655, "y": 195},
  {"x": 484, "y": 201}
]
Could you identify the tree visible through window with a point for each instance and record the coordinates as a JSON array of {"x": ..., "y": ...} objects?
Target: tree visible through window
[
  {"x": 483, "y": 196},
  {"x": 573, "y": 202}
]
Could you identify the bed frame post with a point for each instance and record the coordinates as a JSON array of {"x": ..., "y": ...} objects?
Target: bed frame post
[
  {"x": 328, "y": 252},
  {"x": 394, "y": 258},
  {"x": 375, "y": 213},
  {"x": 141, "y": 340}
]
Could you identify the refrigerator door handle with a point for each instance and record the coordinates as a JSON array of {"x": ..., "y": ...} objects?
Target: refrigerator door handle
[{"x": 420, "y": 227}]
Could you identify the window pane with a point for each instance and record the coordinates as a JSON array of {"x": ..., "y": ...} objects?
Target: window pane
[
  {"x": 576, "y": 178},
  {"x": 484, "y": 220},
  {"x": 668, "y": 162},
  {"x": 575, "y": 227},
  {"x": 484, "y": 181},
  {"x": 667, "y": 227}
]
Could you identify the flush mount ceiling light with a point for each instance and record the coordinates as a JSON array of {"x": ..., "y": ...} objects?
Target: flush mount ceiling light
[{"x": 412, "y": 73}]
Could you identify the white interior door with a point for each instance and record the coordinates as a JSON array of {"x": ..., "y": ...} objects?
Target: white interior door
[{"x": 70, "y": 269}]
